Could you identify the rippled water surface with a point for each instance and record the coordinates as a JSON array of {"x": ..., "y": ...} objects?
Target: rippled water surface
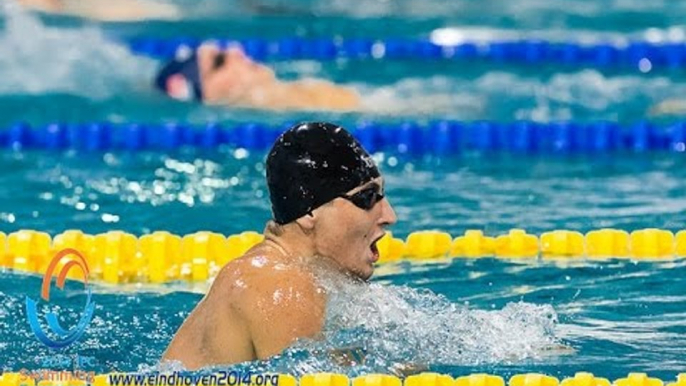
[
  {"x": 455, "y": 317},
  {"x": 225, "y": 191},
  {"x": 91, "y": 76},
  {"x": 485, "y": 315}
]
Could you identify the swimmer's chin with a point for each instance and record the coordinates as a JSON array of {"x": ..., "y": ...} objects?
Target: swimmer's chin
[
  {"x": 362, "y": 277},
  {"x": 366, "y": 276}
]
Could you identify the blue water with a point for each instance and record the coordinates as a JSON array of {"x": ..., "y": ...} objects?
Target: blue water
[
  {"x": 454, "y": 316},
  {"x": 91, "y": 77},
  {"x": 486, "y": 315},
  {"x": 191, "y": 190},
  {"x": 619, "y": 316}
]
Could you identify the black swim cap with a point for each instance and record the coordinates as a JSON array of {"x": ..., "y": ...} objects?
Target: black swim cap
[
  {"x": 180, "y": 78},
  {"x": 311, "y": 164}
]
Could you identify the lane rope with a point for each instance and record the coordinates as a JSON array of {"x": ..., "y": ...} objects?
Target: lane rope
[
  {"x": 438, "y": 137},
  {"x": 160, "y": 257},
  {"x": 335, "y": 379},
  {"x": 642, "y": 56}
]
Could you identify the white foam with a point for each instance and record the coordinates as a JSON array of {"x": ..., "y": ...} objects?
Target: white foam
[
  {"x": 406, "y": 324},
  {"x": 400, "y": 326},
  {"x": 528, "y": 96},
  {"x": 425, "y": 96},
  {"x": 38, "y": 59}
]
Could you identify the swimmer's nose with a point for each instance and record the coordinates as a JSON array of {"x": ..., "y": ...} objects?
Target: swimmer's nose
[{"x": 388, "y": 216}]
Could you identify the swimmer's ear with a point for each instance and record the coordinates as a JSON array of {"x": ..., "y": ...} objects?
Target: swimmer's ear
[{"x": 307, "y": 221}]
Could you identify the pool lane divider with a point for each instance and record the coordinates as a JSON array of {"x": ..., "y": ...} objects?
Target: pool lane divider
[
  {"x": 635, "y": 55},
  {"x": 118, "y": 257},
  {"x": 334, "y": 379},
  {"x": 438, "y": 137}
]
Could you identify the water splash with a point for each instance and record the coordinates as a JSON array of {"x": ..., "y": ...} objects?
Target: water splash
[
  {"x": 400, "y": 329},
  {"x": 398, "y": 326},
  {"x": 77, "y": 60},
  {"x": 426, "y": 96},
  {"x": 545, "y": 98}
]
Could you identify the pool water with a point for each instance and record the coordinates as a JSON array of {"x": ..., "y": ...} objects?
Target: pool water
[
  {"x": 454, "y": 316},
  {"x": 190, "y": 190},
  {"x": 91, "y": 77},
  {"x": 485, "y": 315}
]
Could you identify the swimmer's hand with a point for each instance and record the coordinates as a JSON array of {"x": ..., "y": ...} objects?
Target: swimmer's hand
[
  {"x": 357, "y": 356},
  {"x": 353, "y": 356},
  {"x": 552, "y": 350},
  {"x": 557, "y": 350},
  {"x": 669, "y": 107},
  {"x": 404, "y": 370}
]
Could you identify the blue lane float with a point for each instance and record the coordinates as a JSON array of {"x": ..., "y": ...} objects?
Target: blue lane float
[
  {"x": 440, "y": 137},
  {"x": 640, "y": 55}
]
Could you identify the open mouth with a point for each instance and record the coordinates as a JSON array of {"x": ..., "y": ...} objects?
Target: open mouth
[{"x": 375, "y": 250}]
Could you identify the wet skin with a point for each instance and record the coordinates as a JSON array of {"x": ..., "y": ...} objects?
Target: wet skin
[
  {"x": 262, "y": 302},
  {"x": 230, "y": 77}
]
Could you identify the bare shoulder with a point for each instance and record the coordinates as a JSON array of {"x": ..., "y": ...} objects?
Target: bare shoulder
[
  {"x": 279, "y": 302},
  {"x": 257, "y": 279}
]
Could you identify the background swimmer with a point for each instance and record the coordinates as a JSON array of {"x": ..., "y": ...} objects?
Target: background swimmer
[
  {"x": 329, "y": 211},
  {"x": 119, "y": 10},
  {"x": 230, "y": 78}
]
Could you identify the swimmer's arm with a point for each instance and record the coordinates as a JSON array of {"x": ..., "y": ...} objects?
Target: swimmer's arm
[
  {"x": 280, "y": 311},
  {"x": 328, "y": 95},
  {"x": 212, "y": 333},
  {"x": 119, "y": 10},
  {"x": 182, "y": 348},
  {"x": 44, "y": 5}
]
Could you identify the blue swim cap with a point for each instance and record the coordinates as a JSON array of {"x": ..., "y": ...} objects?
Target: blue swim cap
[{"x": 180, "y": 78}]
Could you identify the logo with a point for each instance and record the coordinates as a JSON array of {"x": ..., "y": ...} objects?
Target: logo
[{"x": 70, "y": 258}]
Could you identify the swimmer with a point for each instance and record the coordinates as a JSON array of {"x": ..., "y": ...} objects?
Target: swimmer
[
  {"x": 230, "y": 78},
  {"x": 105, "y": 10},
  {"x": 328, "y": 212}
]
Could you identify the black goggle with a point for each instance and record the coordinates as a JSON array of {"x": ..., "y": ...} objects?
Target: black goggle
[{"x": 367, "y": 197}]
